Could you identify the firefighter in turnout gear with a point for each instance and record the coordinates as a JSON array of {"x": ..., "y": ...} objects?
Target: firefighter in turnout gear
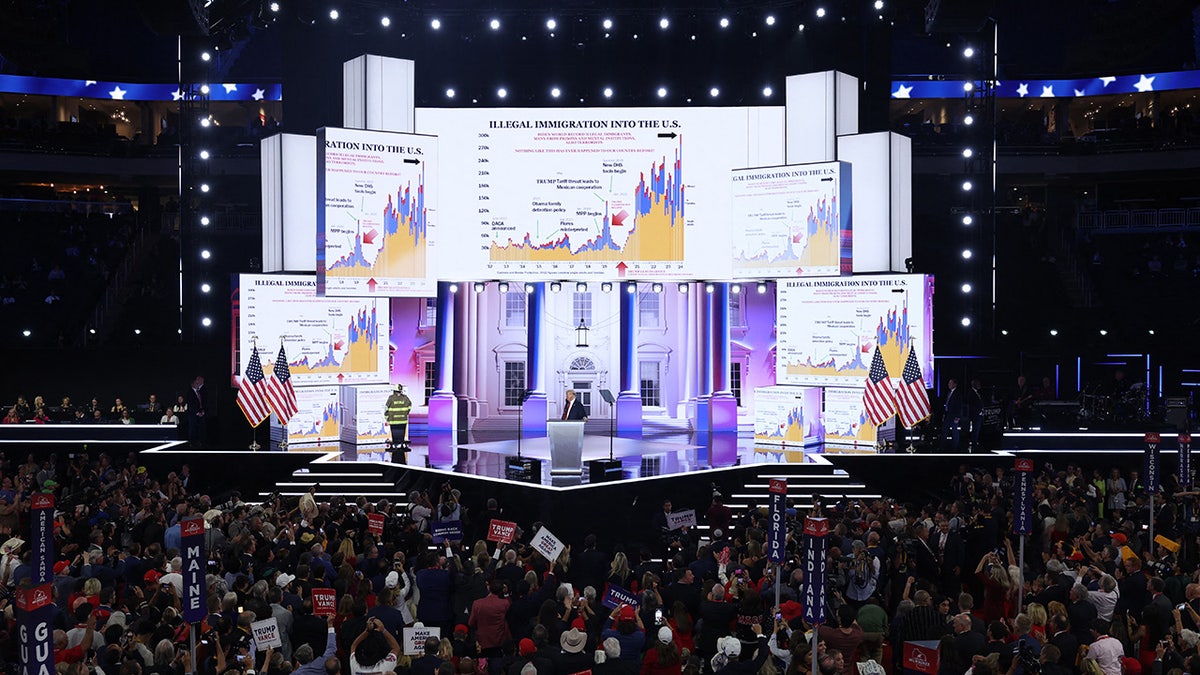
[{"x": 398, "y": 407}]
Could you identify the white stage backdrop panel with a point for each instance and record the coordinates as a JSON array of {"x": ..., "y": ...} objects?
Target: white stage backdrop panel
[
  {"x": 318, "y": 418},
  {"x": 363, "y": 413},
  {"x": 376, "y": 213},
  {"x": 828, "y": 328},
  {"x": 792, "y": 221},
  {"x": 328, "y": 340},
  {"x": 846, "y": 419},
  {"x": 588, "y": 192},
  {"x": 787, "y": 415}
]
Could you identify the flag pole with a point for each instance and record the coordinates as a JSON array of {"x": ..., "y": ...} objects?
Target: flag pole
[{"x": 254, "y": 446}]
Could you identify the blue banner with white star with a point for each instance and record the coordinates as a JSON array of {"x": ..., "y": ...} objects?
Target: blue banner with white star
[
  {"x": 1033, "y": 88},
  {"x": 130, "y": 91}
]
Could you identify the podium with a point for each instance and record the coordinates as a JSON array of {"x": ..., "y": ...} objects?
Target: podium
[{"x": 566, "y": 447}]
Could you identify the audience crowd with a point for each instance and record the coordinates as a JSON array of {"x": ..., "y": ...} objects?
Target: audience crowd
[
  {"x": 1095, "y": 595},
  {"x": 67, "y": 411}
]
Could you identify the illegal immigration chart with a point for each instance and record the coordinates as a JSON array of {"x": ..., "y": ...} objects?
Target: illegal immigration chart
[{"x": 376, "y": 213}]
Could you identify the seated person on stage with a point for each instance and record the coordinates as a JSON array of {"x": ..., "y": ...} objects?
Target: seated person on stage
[{"x": 573, "y": 409}]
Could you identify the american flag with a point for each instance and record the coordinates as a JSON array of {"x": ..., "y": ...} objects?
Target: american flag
[
  {"x": 914, "y": 400},
  {"x": 252, "y": 392},
  {"x": 879, "y": 398},
  {"x": 280, "y": 391}
]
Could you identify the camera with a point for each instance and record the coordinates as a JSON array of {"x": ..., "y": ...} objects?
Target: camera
[{"x": 1029, "y": 661}]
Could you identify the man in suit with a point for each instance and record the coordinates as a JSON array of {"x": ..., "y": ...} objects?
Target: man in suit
[
  {"x": 197, "y": 415},
  {"x": 1062, "y": 638},
  {"x": 952, "y": 416},
  {"x": 948, "y": 547},
  {"x": 1082, "y": 614},
  {"x": 573, "y": 409},
  {"x": 967, "y": 642}
]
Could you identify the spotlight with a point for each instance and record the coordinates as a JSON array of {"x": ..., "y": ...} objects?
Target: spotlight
[
  {"x": 1053, "y": 332},
  {"x": 966, "y": 186},
  {"x": 631, "y": 287},
  {"x": 205, "y": 56},
  {"x": 608, "y": 92},
  {"x": 333, "y": 14},
  {"x": 878, "y": 4},
  {"x": 606, "y": 287},
  {"x": 770, "y": 19},
  {"x": 735, "y": 288},
  {"x": 274, "y": 6},
  {"x": 1103, "y": 332},
  {"x": 663, "y": 23},
  {"x": 205, "y": 122},
  {"x": 206, "y": 322},
  {"x": 1004, "y": 332},
  {"x": 968, "y": 153},
  {"x": 204, "y": 221},
  {"x": 968, "y": 52},
  {"x": 205, "y": 254},
  {"x": 966, "y": 254},
  {"x": 966, "y": 321},
  {"x": 385, "y": 21},
  {"x": 137, "y": 331},
  {"x": 478, "y": 286},
  {"x": 26, "y": 332},
  {"x": 91, "y": 331},
  {"x": 203, "y": 154},
  {"x": 767, "y": 92},
  {"x": 1151, "y": 331},
  {"x": 656, "y": 287},
  {"x": 968, "y": 86},
  {"x": 683, "y": 287},
  {"x": 501, "y": 92},
  {"x": 820, "y": 12},
  {"x": 709, "y": 288},
  {"x": 581, "y": 287},
  {"x": 495, "y": 24},
  {"x": 714, "y": 92},
  {"x": 502, "y": 286},
  {"x": 204, "y": 90},
  {"x": 436, "y": 24},
  {"x": 529, "y": 288},
  {"x": 801, "y": 28},
  {"x": 551, "y": 24},
  {"x": 608, "y": 24},
  {"x": 966, "y": 288},
  {"x": 204, "y": 187},
  {"x": 761, "y": 287},
  {"x": 450, "y": 93},
  {"x": 662, "y": 92},
  {"x": 724, "y": 22},
  {"x": 968, "y": 120},
  {"x": 967, "y": 219},
  {"x": 205, "y": 288},
  {"x": 555, "y": 92},
  {"x": 555, "y": 287}
]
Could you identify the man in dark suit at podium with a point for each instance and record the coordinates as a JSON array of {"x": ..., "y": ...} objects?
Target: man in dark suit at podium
[{"x": 573, "y": 409}]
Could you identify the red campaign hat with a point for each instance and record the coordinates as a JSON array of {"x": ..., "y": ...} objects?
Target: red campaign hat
[
  {"x": 527, "y": 647},
  {"x": 61, "y": 566},
  {"x": 626, "y": 613},
  {"x": 1076, "y": 556},
  {"x": 580, "y": 624},
  {"x": 791, "y": 609},
  {"x": 152, "y": 576},
  {"x": 1119, "y": 538},
  {"x": 1131, "y": 666},
  {"x": 461, "y": 629}
]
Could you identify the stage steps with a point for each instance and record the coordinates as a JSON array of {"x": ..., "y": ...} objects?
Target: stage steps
[
  {"x": 806, "y": 482},
  {"x": 373, "y": 480}
]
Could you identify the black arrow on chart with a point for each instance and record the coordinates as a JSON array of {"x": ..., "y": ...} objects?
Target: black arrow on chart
[
  {"x": 412, "y": 161},
  {"x": 670, "y": 135},
  {"x": 826, "y": 180}
]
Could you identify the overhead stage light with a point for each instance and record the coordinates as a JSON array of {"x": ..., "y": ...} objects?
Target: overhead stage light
[
  {"x": 606, "y": 286},
  {"x": 555, "y": 286},
  {"x": 656, "y": 287},
  {"x": 581, "y": 287},
  {"x": 333, "y": 14},
  {"x": 761, "y": 287},
  {"x": 663, "y": 23},
  {"x": 551, "y": 24},
  {"x": 385, "y": 21},
  {"x": 608, "y": 24},
  {"x": 683, "y": 287},
  {"x": 479, "y": 286},
  {"x": 608, "y": 92},
  {"x": 662, "y": 92},
  {"x": 724, "y": 22},
  {"x": 436, "y": 24},
  {"x": 495, "y": 24},
  {"x": 502, "y": 286},
  {"x": 968, "y": 52}
]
